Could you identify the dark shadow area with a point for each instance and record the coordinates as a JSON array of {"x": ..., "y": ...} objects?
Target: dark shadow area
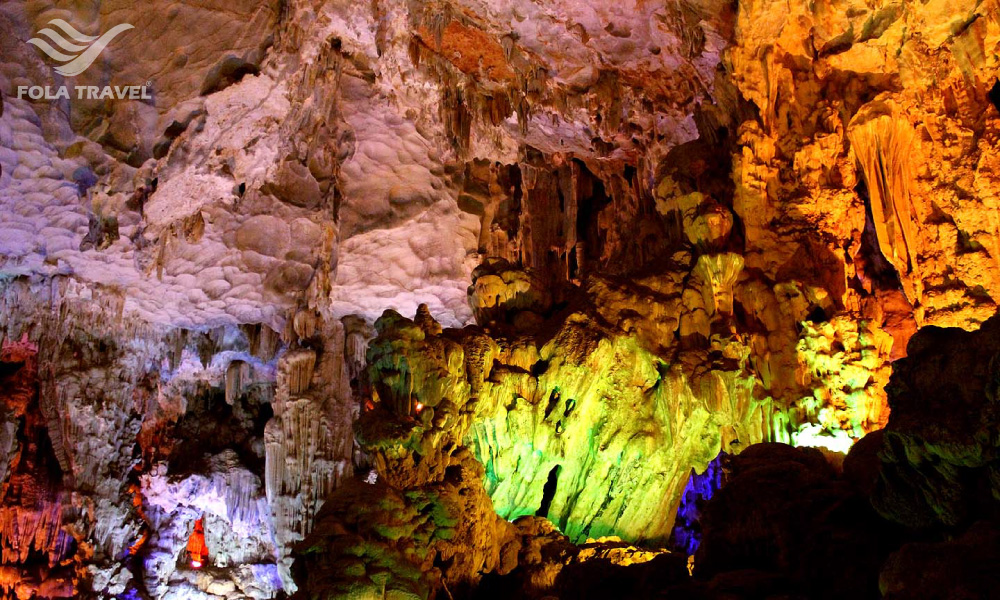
[{"x": 549, "y": 492}]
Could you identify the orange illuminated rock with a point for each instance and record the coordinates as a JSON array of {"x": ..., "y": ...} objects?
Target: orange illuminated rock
[
  {"x": 470, "y": 49},
  {"x": 196, "y": 548}
]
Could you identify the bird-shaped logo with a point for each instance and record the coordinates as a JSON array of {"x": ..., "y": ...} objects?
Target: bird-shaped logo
[{"x": 77, "y": 52}]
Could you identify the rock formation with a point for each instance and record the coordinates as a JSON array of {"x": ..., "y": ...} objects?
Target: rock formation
[{"x": 463, "y": 299}]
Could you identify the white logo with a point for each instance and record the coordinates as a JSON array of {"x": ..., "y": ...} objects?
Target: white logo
[{"x": 82, "y": 53}]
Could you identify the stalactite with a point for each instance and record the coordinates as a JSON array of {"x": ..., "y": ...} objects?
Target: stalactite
[
  {"x": 883, "y": 144},
  {"x": 457, "y": 118},
  {"x": 357, "y": 335},
  {"x": 263, "y": 341},
  {"x": 237, "y": 374},
  {"x": 719, "y": 273},
  {"x": 297, "y": 370},
  {"x": 570, "y": 189}
]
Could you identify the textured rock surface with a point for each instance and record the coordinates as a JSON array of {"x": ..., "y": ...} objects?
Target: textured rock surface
[
  {"x": 372, "y": 539},
  {"x": 957, "y": 568},
  {"x": 785, "y": 513},
  {"x": 549, "y": 565},
  {"x": 880, "y": 110},
  {"x": 632, "y": 235},
  {"x": 941, "y": 471},
  {"x": 585, "y": 410}
]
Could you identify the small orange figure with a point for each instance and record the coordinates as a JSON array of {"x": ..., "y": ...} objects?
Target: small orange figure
[{"x": 197, "y": 550}]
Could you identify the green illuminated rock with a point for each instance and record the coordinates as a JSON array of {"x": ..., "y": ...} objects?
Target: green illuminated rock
[
  {"x": 844, "y": 365},
  {"x": 372, "y": 540},
  {"x": 593, "y": 421}
]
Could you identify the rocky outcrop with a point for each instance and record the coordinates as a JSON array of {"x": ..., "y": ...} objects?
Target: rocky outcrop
[
  {"x": 308, "y": 442},
  {"x": 960, "y": 567},
  {"x": 939, "y": 458},
  {"x": 439, "y": 534},
  {"x": 784, "y": 516},
  {"x": 549, "y": 565},
  {"x": 117, "y": 439},
  {"x": 583, "y": 424},
  {"x": 912, "y": 515},
  {"x": 872, "y": 134}
]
